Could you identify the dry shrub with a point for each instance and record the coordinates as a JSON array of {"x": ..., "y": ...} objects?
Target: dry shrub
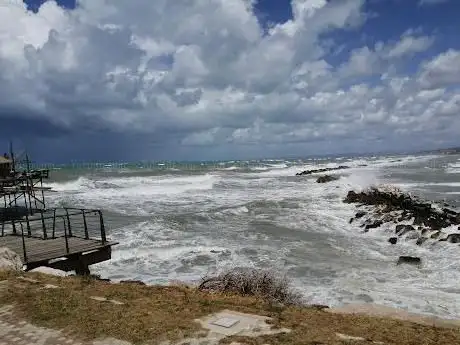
[{"x": 252, "y": 282}]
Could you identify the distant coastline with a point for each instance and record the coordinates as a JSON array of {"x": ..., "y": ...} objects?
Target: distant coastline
[{"x": 446, "y": 151}]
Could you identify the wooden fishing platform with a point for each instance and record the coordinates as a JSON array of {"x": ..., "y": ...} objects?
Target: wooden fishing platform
[
  {"x": 82, "y": 252},
  {"x": 68, "y": 239}
]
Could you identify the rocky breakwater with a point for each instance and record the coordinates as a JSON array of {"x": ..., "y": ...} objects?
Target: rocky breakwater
[
  {"x": 322, "y": 170},
  {"x": 404, "y": 216}
]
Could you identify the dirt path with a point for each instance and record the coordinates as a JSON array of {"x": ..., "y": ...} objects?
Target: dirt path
[
  {"x": 18, "y": 332},
  {"x": 14, "y": 331}
]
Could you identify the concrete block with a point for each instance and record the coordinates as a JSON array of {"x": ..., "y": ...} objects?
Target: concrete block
[{"x": 227, "y": 323}]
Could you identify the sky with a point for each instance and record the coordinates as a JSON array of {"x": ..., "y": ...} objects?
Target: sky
[{"x": 227, "y": 79}]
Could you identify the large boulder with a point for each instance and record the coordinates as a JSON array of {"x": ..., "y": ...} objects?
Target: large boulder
[
  {"x": 402, "y": 229},
  {"x": 453, "y": 238},
  {"x": 326, "y": 178},
  {"x": 51, "y": 271},
  {"x": 436, "y": 235},
  {"x": 393, "y": 240},
  {"x": 410, "y": 260},
  {"x": 421, "y": 240},
  {"x": 10, "y": 260},
  {"x": 360, "y": 214},
  {"x": 374, "y": 225}
]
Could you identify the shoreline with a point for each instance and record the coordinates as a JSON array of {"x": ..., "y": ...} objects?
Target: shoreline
[
  {"x": 363, "y": 308},
  {"x": 380, "y": 310}
]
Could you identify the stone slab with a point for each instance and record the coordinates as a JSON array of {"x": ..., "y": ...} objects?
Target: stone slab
[
  {"x": 347, "y": 337},
  {"x": 113, "y": 301},
  {"x": 51, "y": 271},
  {"x": 227, "y": 323}
]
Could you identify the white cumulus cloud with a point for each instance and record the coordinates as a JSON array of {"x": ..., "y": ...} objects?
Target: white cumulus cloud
[{"x": 206, "y": 73}]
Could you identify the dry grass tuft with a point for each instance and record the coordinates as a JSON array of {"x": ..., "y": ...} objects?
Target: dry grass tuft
[{"x": 252, "y": 282}]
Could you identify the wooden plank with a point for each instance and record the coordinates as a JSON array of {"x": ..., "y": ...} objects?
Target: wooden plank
[
  {"x": 38, "y": 250},
  {"x": 60, "y": 248}
]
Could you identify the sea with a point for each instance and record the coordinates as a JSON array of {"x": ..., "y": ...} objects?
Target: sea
[{"x": 183, "y": 221}]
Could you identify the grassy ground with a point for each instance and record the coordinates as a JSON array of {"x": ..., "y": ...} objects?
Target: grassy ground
[{"x": 155, "y": 313}]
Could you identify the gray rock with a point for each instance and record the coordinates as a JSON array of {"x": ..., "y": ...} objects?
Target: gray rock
[
  {"x": 51, "y": 271},
  {"x": 393, "y": 240},
  {"x": 453, "y": 238},
  {"x": 421, "y": 240},
  {"x": 412, "y": 236},
  {"x": 360, "y": 214},
  {"x": 374, "y": 225},
  {"x": 387, "y": 218},
  {"x": 402, "y": 229},
  {"x": 326, "y": 178},
  {"x": 436, "y": 235},
  {"x": 410, "y": 260},
  {"x": 10, "y": 260}
]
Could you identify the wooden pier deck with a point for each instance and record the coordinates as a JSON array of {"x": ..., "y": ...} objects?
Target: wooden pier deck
[
  {"x": 74, "y": 236},
  {"x": 42, "y": 252}
]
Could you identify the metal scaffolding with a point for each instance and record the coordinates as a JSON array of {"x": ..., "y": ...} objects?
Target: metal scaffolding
[{"x": 39, "y": 234}]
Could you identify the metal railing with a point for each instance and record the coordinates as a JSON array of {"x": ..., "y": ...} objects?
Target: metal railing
[{"x": 58, "y": 223}]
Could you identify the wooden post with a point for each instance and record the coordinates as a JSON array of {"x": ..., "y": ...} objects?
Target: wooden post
[
  {"x": 102, "y": 226},
  {"x": 23, "y": 245},
  {"x": 54, "y": 223},
  {"x": 29, "y": 232},
  {"x": 68, "y": 222},
  {"x": 43, "y": 193},
  {"x": 82, "y": 268},
  {"x": 4, "y": 215},
  {"x": 65, "y": 237},
  {"x": 15, "y": 201},
  {"x": 28, "y": 193},
  {"x": 45, "y": 236},
  {"x": 85, "y": 225}
]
